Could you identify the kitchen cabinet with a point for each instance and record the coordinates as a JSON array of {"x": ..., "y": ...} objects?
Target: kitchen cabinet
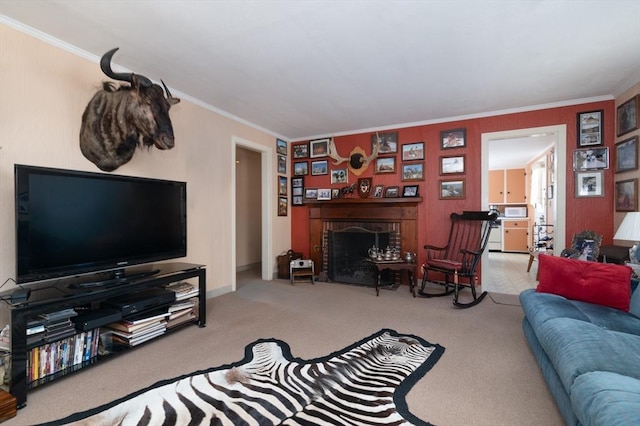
[
  {"x": 515, "y": 235},
  {"x": 507, "y": 186}
]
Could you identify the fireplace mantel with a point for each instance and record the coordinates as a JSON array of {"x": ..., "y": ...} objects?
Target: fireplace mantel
[{"x": 368, "y": 210}]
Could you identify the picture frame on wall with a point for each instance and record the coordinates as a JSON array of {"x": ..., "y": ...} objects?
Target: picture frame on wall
[
  {"x": 335, "y": 193},
  {"x": 300, "y": 168},
  {"x": 590, "y": 159},
  {"x": 297, "y": 200},
  {"x": 324, "y": 194},
  {"x": 454, "y": 138},
  {"x": 452, "y": 189},
  {"x": 282, "y": 206},
  {"x": 589, "y": 184},
  {"x": 388, "y": 142},
  {"x": 340, "y": 176},
  {"x": 300, "y": 150},
  {"x": 378, "y": 191},
  {"x": 627, "y": 195},
  {"x": 282, "y": 164},
  {"x": 297, "y": 191},
  {"x": 319, "y": 148},
  {"x": 590, "y": 128},
  {"x": 413, "y": 151},
  {"x": 413, "y": 171},
  {"x": 311, "y": 193},
  {"x": 385, "y": 165},
  {"x": 281, "y": 147},
  {"x": 627, "y": 155},
  {"x": 282, "y": 185},
  {"x": 319, "y": 168},
  {"x": 628, "y": 116},
  {"x": 452, "y": 165}
]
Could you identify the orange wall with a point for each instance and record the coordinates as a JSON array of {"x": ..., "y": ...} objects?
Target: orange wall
[{"x": 582, "y": 213}]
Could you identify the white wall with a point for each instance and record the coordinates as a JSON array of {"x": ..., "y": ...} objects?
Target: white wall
[{"x": 43, "y": 92}]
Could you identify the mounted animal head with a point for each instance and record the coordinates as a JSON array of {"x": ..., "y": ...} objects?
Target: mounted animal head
[
  {"x": 358, "y": 162},
  {"x": 117, "y": 120}
]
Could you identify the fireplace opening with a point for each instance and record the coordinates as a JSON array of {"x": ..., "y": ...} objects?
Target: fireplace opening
[{"x": 348, "y": 253}]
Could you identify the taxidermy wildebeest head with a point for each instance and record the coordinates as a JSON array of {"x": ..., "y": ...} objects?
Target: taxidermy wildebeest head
[{"x": 117, "y": 120}]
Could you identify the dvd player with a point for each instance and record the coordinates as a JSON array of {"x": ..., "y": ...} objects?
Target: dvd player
[{"x": 141, "y": 300}]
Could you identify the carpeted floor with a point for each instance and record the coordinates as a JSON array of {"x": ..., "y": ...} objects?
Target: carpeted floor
[{"x": 487, "y": 376}]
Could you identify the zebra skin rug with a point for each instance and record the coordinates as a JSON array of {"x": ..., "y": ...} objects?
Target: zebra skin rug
[{"x": 363, "y": 384}]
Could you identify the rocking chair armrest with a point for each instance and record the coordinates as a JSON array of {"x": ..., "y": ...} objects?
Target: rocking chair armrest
[
  {"x": 465, "y": 251},
  {"x": 430, "y": 247}
]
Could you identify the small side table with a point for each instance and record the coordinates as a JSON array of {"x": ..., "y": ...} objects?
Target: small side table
[
  {"x": 395, "y": 265},
  {"x": 301, "y": 268}
]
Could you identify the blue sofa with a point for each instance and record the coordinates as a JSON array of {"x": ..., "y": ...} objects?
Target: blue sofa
[{"x": 589, "y": 355}]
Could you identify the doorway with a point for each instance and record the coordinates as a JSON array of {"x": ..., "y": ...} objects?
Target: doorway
[
  {"x": 263, "y": 190},
  {"x": 559, "y": 135}
]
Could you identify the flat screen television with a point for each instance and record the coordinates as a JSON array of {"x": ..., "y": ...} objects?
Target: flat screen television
[{"x": 71, "y": 223}]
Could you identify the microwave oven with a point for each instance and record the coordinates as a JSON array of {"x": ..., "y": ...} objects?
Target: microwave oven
[{"x": 515, "y": 212}]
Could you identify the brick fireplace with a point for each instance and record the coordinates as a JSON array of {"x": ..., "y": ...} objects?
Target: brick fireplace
[{"x": 395, "y": 219}]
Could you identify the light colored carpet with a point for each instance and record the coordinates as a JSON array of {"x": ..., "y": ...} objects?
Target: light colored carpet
[{"x": 487, "y": 375}]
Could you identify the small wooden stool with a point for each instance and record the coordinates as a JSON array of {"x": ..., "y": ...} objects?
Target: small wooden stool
[
  {"x": 7, "y": 406},
  {"x": 301, "y": 268}
]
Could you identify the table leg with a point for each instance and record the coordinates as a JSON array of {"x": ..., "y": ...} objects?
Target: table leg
[
  {"x": 412, "y": 283},
  {"x": 378, "y": 283}
]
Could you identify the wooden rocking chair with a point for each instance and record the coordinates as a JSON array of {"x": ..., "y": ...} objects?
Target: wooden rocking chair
[{"x": 457, "y": 260}]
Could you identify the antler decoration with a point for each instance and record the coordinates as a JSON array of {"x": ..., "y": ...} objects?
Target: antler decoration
[{"x": 358, "y": 161}]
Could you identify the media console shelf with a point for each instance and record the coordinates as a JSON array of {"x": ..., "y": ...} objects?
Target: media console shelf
[{"x": 65, "y": 294}]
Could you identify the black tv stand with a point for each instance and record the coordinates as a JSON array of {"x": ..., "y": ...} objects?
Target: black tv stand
[
  {"x": 118, "y": 279},
  {"x": 48, "y": 298}
]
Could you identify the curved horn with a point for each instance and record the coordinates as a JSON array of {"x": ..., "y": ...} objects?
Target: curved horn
[
  {"x": 374, "y": 154},
  {"x": 105, "y": 66},
  {"x": 170, "y": 97},
  {"x": 333, "y": 153}
]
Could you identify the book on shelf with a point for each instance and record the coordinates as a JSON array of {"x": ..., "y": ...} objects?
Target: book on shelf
[
  {"x": 184, "y": 290},
  {"x": 181, "y": 318},
  {"x": 143, "y": 317},
  {"x": 124, "y": 329},
  {"x": 187, "y": 304}
]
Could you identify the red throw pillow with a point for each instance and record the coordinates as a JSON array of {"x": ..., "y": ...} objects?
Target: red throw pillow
[{"x": 600, "y": 283}]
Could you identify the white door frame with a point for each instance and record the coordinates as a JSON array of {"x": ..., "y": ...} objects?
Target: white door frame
[
  {"x": 560, "y": 173},
  {"x": 266, "y": 189}
]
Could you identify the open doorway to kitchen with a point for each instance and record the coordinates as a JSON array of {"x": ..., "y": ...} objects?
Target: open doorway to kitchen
[{"x": 507, "y": 272}]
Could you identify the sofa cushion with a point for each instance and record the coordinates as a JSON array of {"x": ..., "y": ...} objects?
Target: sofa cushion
[
  {"x": 541, "y": 307},
  {"x": 577, "y": 347},
  {"x": 600, "y": 283},
  {"x": 602, "y": 398}
]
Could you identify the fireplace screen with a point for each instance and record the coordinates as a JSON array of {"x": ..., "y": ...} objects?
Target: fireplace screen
[{"x": 348, "y": 251}]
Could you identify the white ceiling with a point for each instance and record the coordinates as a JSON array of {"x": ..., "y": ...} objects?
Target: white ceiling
[{"x": 305, "y": 69}]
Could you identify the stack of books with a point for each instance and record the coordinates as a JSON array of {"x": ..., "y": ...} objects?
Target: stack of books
[
  {"x": 186, "y": 307},
  {"x": 140, "y": 328},
  {"x": 184, "y": 290}
]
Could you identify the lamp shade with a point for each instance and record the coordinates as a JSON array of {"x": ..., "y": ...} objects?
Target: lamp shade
[{"x": 629, "y": 229}]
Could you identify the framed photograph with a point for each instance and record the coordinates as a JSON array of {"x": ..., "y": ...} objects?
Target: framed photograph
[
  {"x": 628, "y": 116},
  {"x": 281, "y": 147},
  {"x": 340, "y": 176},
  {"x": 590, "y": 159},
  {"x": 297, "y": 189},
  {"x": 297, "y": 200},
  {"x": 324, "y": 194},
  {"x": 319, "y": 148},
  {"x": 300, "y": 168},
  {"x": 282, "y": 185},
  {"x": 590, "y": 128},
  {"x": 311, "y": 193},
  {"x": 455, "y": 138},
  {"x": 364, "y": 187},
  {"x": 385, "y": 165},
  {"x": 388, "y": 142},
  {"x": 319, "y": 168},
  {"x": 391, "y": 192},
  {"x": 297, "y": 182},
  {"x": 378, "y": 191},
  {"x": 282, "y": 164},
  {"x": 590, "y": 184},
  {"x": 627, "y": 195},
  {"x": 409, "y": 191},
  {"x": 413, "y": 151},
  {"x": 453, "y": 165},
  {"x": 300, "y": 150},
  {"x": 413, "y": 171},
  {"x": 452, "y": 189},
  {"x": 282, "y": 206},
  {"x": 335, "y": 193},
  {"x": 627, "y": 155},
  {"x": 585, "y": 246}
]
